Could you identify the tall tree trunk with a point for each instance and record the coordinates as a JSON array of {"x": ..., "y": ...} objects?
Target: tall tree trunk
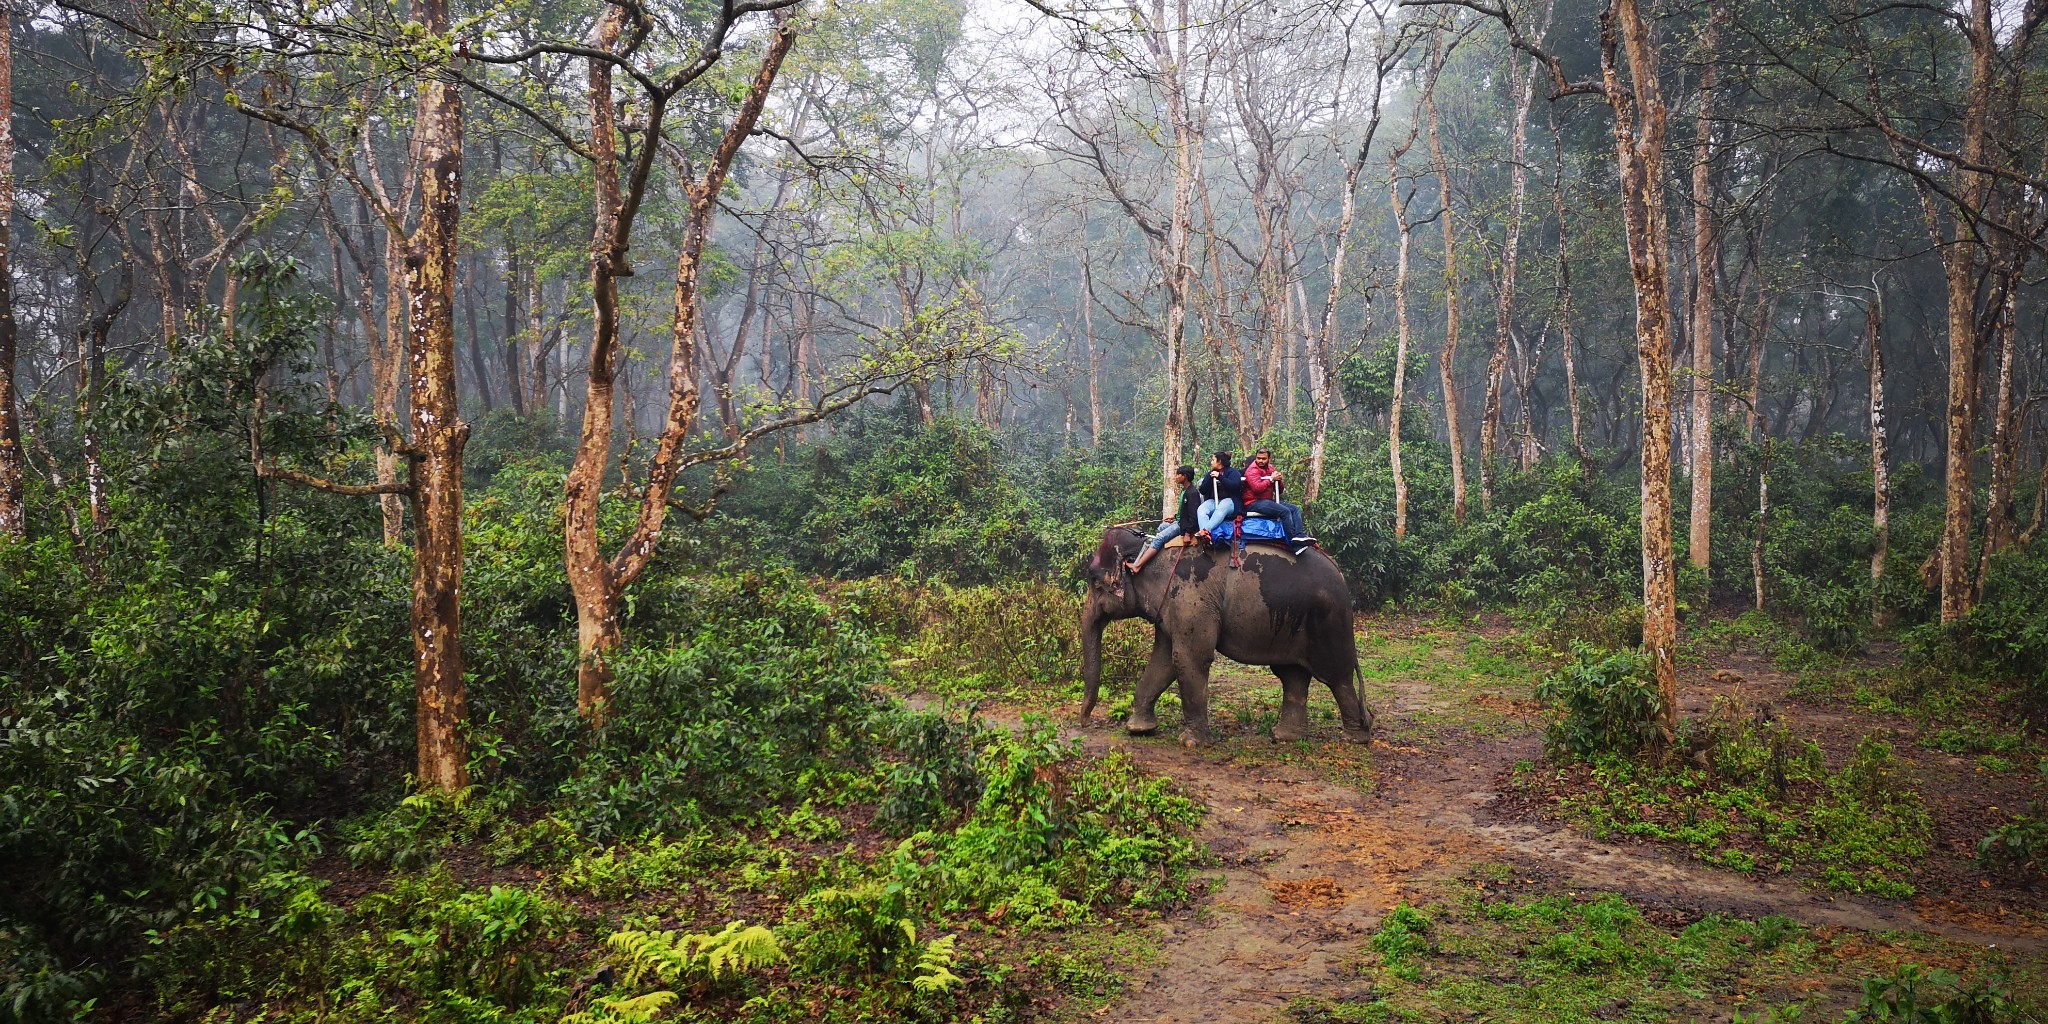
[
  {"x": 1759, "y": 338},
  {"x": 1094, "y": 353},
  {"x": 536, "y": 341},
  {"x": 385, "y": 350},
  {"x": 1959, "y": 258},
  {"x": 1564, "y": 309},
  {"x": 1293, "y": 357},
  {"x": 1407, "y": 232},
  {"x": 1880, "y": 459},
  {"x": 1222, "y": 329},
  {"x": 438, "y": 433},
  {"x": 329, "y": 357},
  {"x": 805, "y": 366},
  {"x": 1639, "y": 128},
  {"x": 515, "y": 386},
  {"x": 1763, "y": 519},
  {"x": 591, "y": 577},
  {"x": 1999, "y": 528},
  {"x": 1323, "y": 337},
  {"x": 1447, "y": 369},
  {"x": 477, "y": 365},
  {"x": 93, "y": 330},
  {"x": 13, "y": 461},
  {"x": 1169, "y": 55},
  {"x": 1706, "y": 242}
]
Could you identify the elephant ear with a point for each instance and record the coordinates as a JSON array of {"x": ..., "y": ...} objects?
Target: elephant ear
[
  {"x": 1110, "y": 571},
  {"x": 1108, "y": 566}
]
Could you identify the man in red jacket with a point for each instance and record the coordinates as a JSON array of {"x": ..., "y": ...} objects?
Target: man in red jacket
[{"x": 1262, "y": 484}]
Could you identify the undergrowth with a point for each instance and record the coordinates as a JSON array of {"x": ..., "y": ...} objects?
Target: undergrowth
[
  {"x": 1032, "y": 839},
  {"x": 1473, "y": 954},
  {"x": 1744, "y": 792}
]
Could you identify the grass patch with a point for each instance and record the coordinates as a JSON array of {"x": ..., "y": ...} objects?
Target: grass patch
[
  {"x": 1471, "y": 955},
  {"x": 1754, "y": 797},
  {"x": 1475, "y": 685}
]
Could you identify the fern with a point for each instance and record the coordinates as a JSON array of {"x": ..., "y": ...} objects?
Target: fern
[
  {"x": 637, "y": 1010},
  {"x": 935, "y": 965},
  {"x": 738, "y": 949},
  {"x": 680, "y": 957},
  {"x": 677, "y": 959}
]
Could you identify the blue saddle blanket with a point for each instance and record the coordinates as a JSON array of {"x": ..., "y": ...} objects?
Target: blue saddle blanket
[{"x": 1255, "y": 528}]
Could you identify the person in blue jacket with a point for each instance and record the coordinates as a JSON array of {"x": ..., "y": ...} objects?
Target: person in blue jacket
[{"x": 1222, "y": 494}]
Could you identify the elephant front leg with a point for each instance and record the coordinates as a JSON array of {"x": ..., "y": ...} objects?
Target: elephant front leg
[
  {"x": 1144, "y": 719},
  {"x": 1293, "y": 724}
]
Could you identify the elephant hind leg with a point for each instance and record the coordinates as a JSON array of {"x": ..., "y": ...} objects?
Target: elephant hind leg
[
  {"x": 1351, "y": 706},
  {"x": 1293, "y": 723}
]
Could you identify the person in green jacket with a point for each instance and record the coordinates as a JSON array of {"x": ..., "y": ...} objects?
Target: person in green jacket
[{"x": 1186, "y": 522}]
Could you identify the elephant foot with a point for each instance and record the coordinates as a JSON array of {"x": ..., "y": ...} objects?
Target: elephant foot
[
  {"x": 1192, "y": 738},
  {"x": 1359, "y": 732},
  {"x": 1284, "y": 733},
  {"x": 1138, "y": 725}
]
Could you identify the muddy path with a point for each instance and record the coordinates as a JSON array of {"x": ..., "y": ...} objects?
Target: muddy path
[{"x": 1308, "y": 865}]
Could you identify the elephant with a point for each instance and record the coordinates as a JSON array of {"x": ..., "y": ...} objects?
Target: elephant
[{"x": 1261, "y": 606}]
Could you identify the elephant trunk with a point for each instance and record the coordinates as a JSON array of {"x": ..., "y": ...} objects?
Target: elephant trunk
[{"x": 1092, "y": 623}]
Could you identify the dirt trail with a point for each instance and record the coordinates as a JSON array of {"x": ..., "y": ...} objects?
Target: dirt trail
[{"x": 1308, "y": 867}]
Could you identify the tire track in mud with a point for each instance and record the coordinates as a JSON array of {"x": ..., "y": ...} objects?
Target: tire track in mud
[{"x": 1308, "y": 867}]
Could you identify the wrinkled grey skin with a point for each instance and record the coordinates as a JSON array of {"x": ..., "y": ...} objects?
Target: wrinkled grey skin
[{"x": 1291, "y": 614}]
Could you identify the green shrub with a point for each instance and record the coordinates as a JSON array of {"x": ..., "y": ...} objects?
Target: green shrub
[
  {"x": 938, "y": 775},
  {"x": 1607, "y": 704},
  {"x": 727, "y": 721},
  {"x": 1016, "y": 640},
  {"x": 107, "y": 834},
  {"x": 427, "y": 948},
  {"x": 416, "y": 832},
  {"x": 889, "y": 495},
  {"x": 1053, "y": 835},
  {"x": 2020, "y": 846},
  {"x": 2006, "y": 634},
  {"x": 1911, "y": 994},
  {"x": 1750, "y": 795}
]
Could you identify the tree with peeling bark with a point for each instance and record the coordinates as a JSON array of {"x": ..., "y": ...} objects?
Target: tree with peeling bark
[
  {"x": 1099, "y": 135},
  {"x": 1880, "y": 457},
  {"x": 1405, "y": 228},
  {"x": 598, "y": 582},
  {"x": 430, "y": 237},
  {"x": 1706, "y": 248},
  {"x": 1960, "y": 140},
  {"x": 1629, "y": 82}
]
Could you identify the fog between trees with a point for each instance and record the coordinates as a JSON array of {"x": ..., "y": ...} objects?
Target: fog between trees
[{"x": 1622, "y": 236}]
